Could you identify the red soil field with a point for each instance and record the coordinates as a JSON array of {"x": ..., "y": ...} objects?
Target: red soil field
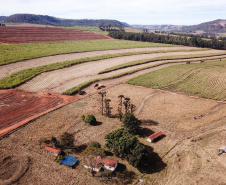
[
  {"x": 16, "y": 34},
  {"x": 17, "y": 107}
]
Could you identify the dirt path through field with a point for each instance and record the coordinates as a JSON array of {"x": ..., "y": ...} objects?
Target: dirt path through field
[
  {"x": 6, "y": 70},
  {"x": 60, "y": 80}
]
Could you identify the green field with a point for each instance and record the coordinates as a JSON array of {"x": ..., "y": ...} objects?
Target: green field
[
  {"x": 10, "y": 53},
  {"x": 88, "y": 28},
  {"x": 206, "y": 80}
]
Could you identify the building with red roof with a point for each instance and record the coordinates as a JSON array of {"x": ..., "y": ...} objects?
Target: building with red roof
[
  {"x": 108, "y": 164},
  {"x": 154, "y": 136},
  {"x": 52, "y": 150}
]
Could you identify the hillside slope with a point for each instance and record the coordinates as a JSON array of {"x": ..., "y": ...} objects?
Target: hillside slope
[{"x": 53, "y": 21}]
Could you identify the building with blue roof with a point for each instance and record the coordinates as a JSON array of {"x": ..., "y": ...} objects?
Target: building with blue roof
[{"x": 69, "y": 161}]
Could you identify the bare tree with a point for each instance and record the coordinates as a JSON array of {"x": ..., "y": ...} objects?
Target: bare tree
[
  {"x": 126, "y": 104},
  {"x": 107, "y": 107},
  {"x": 102, "y": 94},
  {"x": 120, "y": 106}
]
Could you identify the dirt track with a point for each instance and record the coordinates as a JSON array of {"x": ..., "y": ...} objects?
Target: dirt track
[
  {"x": 8, "y": 69},
  {"x": 60, "y": 80}
]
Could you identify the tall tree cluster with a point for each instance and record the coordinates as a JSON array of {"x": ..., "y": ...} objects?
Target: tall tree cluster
[{"x": 195, "y": 41}]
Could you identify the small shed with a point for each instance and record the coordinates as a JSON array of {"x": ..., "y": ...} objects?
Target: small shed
[
  {"x": 69, "y": 161},
  {"x": 222, "y": 149},
  {"x": 52, "y": 150},
  {"x": 155, "y": 136}
]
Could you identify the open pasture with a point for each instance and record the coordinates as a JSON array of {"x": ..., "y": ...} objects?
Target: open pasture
[{"x": 189, "y": 150}]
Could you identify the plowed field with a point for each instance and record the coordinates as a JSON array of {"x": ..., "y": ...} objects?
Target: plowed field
[
  {"x": 17, "y": 108},
  {"x": 15, "y": 34}
]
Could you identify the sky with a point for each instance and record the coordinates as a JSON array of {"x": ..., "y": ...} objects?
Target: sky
[{"x": 145, "y": 12}]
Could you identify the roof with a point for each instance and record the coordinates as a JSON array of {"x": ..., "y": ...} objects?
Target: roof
[
  {"x": 223, "y": 148},
  {"x": 69, "y": 161},
  {"x": 107, "y": 162},
  {"x": 155, "y": 135},
  {"x": 52, "y": 150}
]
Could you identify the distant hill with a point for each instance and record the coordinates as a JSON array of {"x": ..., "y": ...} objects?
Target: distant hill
[
  {"x": 216, "y": 26},
  {"x": 53, "y": 21},
  {"x": 2, "y": 17},
  {"x": 159, "y": 27}
]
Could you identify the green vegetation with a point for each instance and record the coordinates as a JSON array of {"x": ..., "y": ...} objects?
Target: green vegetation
[
  {"x": 139, "y": 62},
  {"x": 90, "y": 119},
  {"x": 23, "y": 76},
  {"x": 206, "y": 79},
  {"x": 10, "y": 53},
  {"x": 67, "y": 140},
  {"x": 88, "y": 28},
  {"x": 83, "y": 85},
  {"x": 95, "y": 144},
  {"x": 131, "y": 123},
  {"x": 124, "y": 144}
]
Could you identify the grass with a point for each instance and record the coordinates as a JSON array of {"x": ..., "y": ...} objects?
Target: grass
[
  {"x": 23, "y": 76},
  {"x": 10, "y": 53},
  {"x": 205, "y": 80},
  {"x": 83, "y": 85},
  {"x": 139, "y": 62},
  {"x": 87, "y": 28}
]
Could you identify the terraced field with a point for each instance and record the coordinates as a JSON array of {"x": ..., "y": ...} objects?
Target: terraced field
[
  {"x": 206, "y": 80},
  {"x": 15, "y": 34}
]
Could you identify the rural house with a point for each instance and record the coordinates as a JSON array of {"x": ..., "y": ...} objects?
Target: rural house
[
  {"x": 155, "y": 136},
  {"x": 108, "y": 164},
  {"x": 52, "y": 150}
]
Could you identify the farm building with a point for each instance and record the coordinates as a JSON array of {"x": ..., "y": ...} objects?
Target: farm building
[
  {"x": 108, "y": 164},
  {"x": 155, "y": 136},
  {"x": 69, "y": 161},
  {"x": 52, "y": 150},
  {"x": 222, "y": 149}
]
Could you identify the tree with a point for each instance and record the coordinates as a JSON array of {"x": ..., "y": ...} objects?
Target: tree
[
  {"x": 90, "y": 119},
  {"x": 102, "y": 94},
  {"x": 67, "y": 139},
  {"x": 131, "y": 123},
  {"x": 124, "y": 144},
  {"x": 120, "y": 106},
  {"x": 107, "y": 107},
  {"x": 132, "y": 108},
  {"x": 126, "y": 104}
]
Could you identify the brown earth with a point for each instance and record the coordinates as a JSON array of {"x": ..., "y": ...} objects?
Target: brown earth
[
  {"x": 187, "y": 155},
  {"x": 16, "y": 34},
  {"x": 17, "y": 108}
]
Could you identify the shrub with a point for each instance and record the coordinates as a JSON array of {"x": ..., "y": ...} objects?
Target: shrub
[
  {"x": 90, "y": 119},
  {"x": 83, "y": 117},
  {"x": 67, "y": 139},
  {"x": 95, "y": 144}
]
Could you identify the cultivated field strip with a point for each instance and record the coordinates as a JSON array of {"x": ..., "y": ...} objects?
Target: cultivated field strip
[
  {"x": 205, "y": 80},
  {"x": 7, "y": 70},
  {"x": 60, "y": 80},
  {"x": 14, "y": 34}
]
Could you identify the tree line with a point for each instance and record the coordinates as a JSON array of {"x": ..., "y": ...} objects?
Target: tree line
[{"x": 194, "y": 41}]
